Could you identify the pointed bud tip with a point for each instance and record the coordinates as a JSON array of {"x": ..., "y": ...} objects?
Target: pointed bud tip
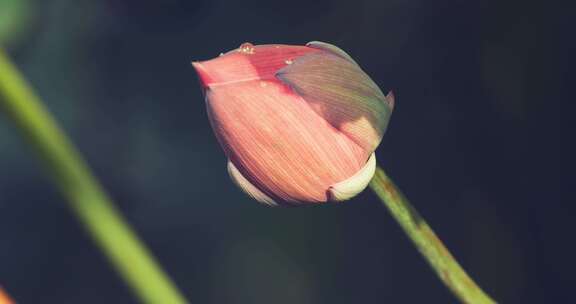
[{"x": 203, "y": 75}]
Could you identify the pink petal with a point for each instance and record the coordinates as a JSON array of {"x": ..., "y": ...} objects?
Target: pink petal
[{"x": 278, "y": 143}]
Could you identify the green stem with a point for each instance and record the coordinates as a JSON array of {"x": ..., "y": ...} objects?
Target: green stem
[
  {"x": 426, "y": 241},
  {"x": 84, "y": 194}
]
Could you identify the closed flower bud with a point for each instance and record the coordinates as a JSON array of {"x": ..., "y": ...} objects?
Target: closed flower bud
[{"x": 299, "y": 124}]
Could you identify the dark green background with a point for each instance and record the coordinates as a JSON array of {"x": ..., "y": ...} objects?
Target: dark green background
[{"x": 481, "y": 141}]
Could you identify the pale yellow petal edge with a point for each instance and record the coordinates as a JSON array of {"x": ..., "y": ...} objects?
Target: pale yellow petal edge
[
  {"x": 350, "y": 187},
  {"x": 247, "y": 186}
]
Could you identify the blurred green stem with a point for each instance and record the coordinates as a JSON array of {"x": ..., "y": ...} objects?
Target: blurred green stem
[
  {"x": 426, "y": 241},
  {"x": 84, "y": 194}
]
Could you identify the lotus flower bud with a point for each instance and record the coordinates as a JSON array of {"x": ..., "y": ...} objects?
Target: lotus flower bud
[{"x": 299, "y": 124}]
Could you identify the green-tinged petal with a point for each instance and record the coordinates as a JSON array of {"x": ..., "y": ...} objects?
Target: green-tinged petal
[
  {"x": 330, "y": 48},
  {"x": 339, "y": 91}
]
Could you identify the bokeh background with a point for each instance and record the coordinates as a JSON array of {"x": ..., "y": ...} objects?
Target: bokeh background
[{"x": 481, "y": 141}]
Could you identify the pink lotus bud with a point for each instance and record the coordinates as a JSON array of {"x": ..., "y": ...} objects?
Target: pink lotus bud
[{"x": 299, "y": 124}]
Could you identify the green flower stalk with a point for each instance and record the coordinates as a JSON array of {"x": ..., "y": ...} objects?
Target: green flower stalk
[
  {"x": 427, "y": 243},
  {"x": 84, "y": 195}
]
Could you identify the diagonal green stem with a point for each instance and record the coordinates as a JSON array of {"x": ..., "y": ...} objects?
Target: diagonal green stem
[
  {"x": 84, "y": 194},
  {"x": 426, "y": 241}
]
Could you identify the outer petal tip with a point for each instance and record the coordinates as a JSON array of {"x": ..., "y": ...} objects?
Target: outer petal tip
[
  {"x": 350, "y": 187},
  {"x": 390, "y": 100},
  {"x": 330, "y": 48},
  {"x": 247, "y": 187},
  {"x": 203, "y": 74}
]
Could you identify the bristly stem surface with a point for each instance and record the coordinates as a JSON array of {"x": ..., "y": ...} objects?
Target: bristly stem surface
[
  {"x": 426, "y": 241},
  {"x": 85, "y": 196}
]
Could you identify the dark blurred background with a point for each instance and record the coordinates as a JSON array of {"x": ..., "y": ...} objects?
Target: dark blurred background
[{"x": 481, "y": 141}]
